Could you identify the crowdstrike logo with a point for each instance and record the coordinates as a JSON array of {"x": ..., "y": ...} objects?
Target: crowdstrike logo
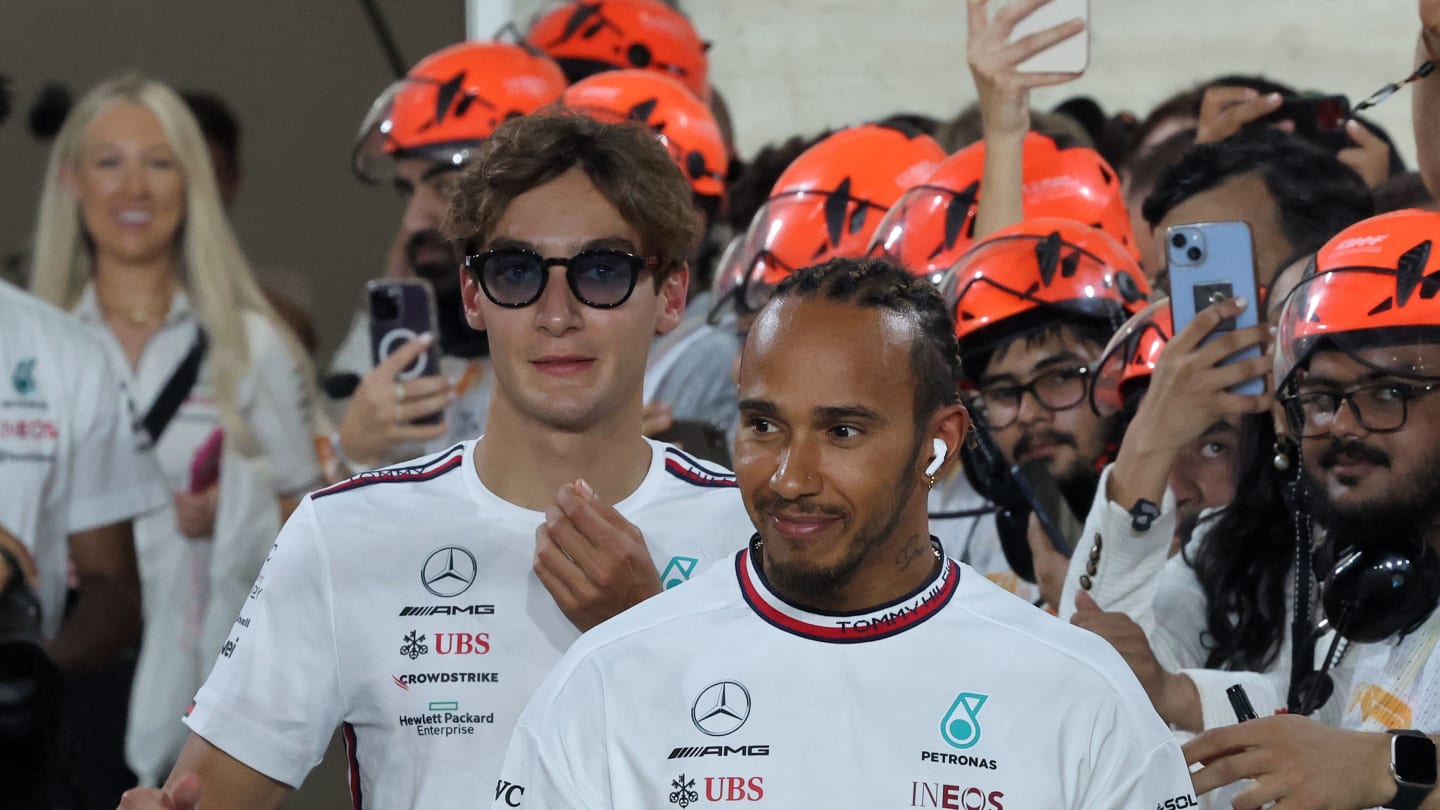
[
  {"x": 448, "y": 571},
  {"x": 721, "y": 708}
]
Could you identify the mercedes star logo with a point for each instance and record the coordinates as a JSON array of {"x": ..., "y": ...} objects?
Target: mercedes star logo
[
  {"x": 448, "y": 571},
  {"x": 721, "y": 708}
]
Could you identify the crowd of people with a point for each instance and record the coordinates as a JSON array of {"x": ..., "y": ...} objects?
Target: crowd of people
[{"x": 993, "y": 495}]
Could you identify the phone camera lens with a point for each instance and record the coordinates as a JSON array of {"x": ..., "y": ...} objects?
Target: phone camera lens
[
  {"x": 385, "y": 304},
  {"x": 1193, "y": 254},
  {"x": 1178, "y": 240}
]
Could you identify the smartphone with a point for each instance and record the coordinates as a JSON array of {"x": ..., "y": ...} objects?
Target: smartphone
[
  {"x": 698, "y": 438},
  {"x": 402, "y": 310},
  {"x": 205, "y": 465},
  {"x": 1040, "y": 488},
  {"x": 1070, "y": 56},
  {"x": 1318, "y": 119},
  {"x": 1210, "y": 262}
]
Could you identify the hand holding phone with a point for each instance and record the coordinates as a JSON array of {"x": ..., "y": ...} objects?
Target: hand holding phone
[
  {"x": 1318, "y": 119},
  {"x": 401, "y": 310},
  {"x": 1211, "y": 262}
]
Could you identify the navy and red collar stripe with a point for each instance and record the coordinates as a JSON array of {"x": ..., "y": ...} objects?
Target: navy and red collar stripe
[
  {"x": 447, "y": 461},
  {"x": 844, "y": 628},
  {"x": 689, "y": 470}
]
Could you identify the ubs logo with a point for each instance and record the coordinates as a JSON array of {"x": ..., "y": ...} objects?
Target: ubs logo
[
  {"x": 448, "y": 571},
  {"x": 721, "y": 708}
]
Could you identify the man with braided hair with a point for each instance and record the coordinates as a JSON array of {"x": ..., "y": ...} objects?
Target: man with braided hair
[{"x": 929, "y": 685}]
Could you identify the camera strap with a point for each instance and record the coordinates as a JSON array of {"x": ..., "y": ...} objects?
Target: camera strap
[{"x": 176, "y": 389}]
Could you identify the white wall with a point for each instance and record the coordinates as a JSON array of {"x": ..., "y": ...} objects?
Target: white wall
[
  {"x": 790, "y": 66},
  {"x": 301, "y": 73}
]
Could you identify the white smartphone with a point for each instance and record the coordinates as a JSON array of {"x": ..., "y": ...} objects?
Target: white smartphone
[{"x": 1070, "y": 56}]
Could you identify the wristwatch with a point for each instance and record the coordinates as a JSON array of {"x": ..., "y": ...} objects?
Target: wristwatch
[
  {"x": 1143, "y": 515},
  {"x": 1412, "y": 764}
]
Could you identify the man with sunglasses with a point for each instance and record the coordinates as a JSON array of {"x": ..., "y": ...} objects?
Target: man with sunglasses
[
  {"x": 418, "y": 606},
  {"x": 418, "y": 135},
  {"x": 1358, "y": 365}
]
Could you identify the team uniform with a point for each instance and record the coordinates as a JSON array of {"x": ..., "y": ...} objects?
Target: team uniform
[
  {"x": 191, "y": 588},
  {"x": 401, "y": 604},
  {"x": 689, "y": 368},
  {"x": 70, "y": 457},
  {"x": 957, "y": 695}
]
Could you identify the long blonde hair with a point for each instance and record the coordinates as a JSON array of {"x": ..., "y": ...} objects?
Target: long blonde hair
[{"x": 214, "y": 272}]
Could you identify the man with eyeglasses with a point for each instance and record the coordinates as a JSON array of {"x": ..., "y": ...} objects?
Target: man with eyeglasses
[
  {"x": 418, "y": 606},
  {"x": 1035, "y": 304},
  {"x": 1358, "y": 365}
]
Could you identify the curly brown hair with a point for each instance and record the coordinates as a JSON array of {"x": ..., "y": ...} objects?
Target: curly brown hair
[{"x": 625, "y": 161}]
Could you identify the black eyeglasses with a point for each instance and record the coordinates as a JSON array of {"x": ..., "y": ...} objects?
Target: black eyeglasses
[
  {"x": 1378, "y": 408},
  {"x": 1056, "y": 390},
  {"x": 516, "y": 277}
]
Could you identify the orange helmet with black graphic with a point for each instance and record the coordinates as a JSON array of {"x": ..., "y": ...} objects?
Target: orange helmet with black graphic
[
  {"x": 590, "y": 36},
  {"x": 1129, "y": 359},
  {"x": 828, "y": 203},
  {"x": 1027, "y": 274},
  {"x": 933, "y": 224},
  {"x": 685, "y": 125},
  {"x": 1373, "y": 292},
  {"x": 451, "y": 101}
]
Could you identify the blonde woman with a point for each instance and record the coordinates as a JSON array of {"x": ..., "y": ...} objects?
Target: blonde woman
[{"x": 133, "y": 239}]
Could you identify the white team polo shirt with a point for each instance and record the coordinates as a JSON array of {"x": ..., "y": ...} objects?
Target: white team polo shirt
[
  {"x": 401, "y": 604},
  {"x": 70, "y": 458},
  {"x": 957, "y": 695}
]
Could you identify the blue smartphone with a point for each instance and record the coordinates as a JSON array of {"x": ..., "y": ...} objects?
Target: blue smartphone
[{"x": 1210, "y": 262}]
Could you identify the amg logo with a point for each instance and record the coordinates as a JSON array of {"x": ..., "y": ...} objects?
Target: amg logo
[
  {"x": 448, "y": 610},
  {"x": 720, "y": 751}
]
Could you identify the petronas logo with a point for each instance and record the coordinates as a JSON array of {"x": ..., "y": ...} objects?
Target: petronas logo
[{"x": 961, "y": 725}]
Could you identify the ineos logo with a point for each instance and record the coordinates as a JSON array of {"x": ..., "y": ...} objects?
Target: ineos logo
[
  {"x": 448, "y": 571},
  {"x": 721, "y": 708}
]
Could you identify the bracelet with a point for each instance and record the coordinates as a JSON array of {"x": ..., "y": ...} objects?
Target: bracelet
[{"x": 340, "y": 456}]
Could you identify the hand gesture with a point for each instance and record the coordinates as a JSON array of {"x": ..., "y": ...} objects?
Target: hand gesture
[
  {"x": 195, "y": 512},
  {"x": 1224, "y": 110},
  {"x": 1369, "y": 157},
  {"x": 591, "y": 559},
  {"x": 1297, "y": 762},
  {"x": 380, "y": 414},
  {"x": 1172, "y": 694},
  {"x": 1004, "y": 91}
]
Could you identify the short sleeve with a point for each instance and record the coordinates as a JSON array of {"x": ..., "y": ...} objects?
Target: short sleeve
[
  {"x": 543, "y": 769},
  {"x": 113, "y": 474},
  {"x": 279, "y": 409},
  {"x": 1136, "y": 760},
  {"x": 273, "y": 699}
]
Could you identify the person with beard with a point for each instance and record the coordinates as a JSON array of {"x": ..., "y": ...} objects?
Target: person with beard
[
  {"x": 481, "y": 564},
  {"x": 841, "y": 601},
  {"x": 1035, "y": 304},
  {"x": 1358, "y": 361},
  {"x": 418, "y": 135}
]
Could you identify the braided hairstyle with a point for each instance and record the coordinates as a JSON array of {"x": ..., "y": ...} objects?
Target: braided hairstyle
[{"x": 877, "y": 284}]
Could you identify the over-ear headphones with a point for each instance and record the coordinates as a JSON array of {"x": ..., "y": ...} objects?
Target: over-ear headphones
[{"x": 941, "y": 450}]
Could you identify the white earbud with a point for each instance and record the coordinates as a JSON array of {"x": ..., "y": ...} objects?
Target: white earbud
[{"x": 941, "y": 450}]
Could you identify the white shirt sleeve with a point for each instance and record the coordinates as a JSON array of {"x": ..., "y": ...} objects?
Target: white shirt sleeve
[
  {"x": 273, "y": 699},
  {"x": 546, "y": 761},
  {"x": 279, "y": 409},
  {"x": 1126, "y": 563},
  {"x": 113, "y": 475},
  {"x": 1135, "y": 760}
]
